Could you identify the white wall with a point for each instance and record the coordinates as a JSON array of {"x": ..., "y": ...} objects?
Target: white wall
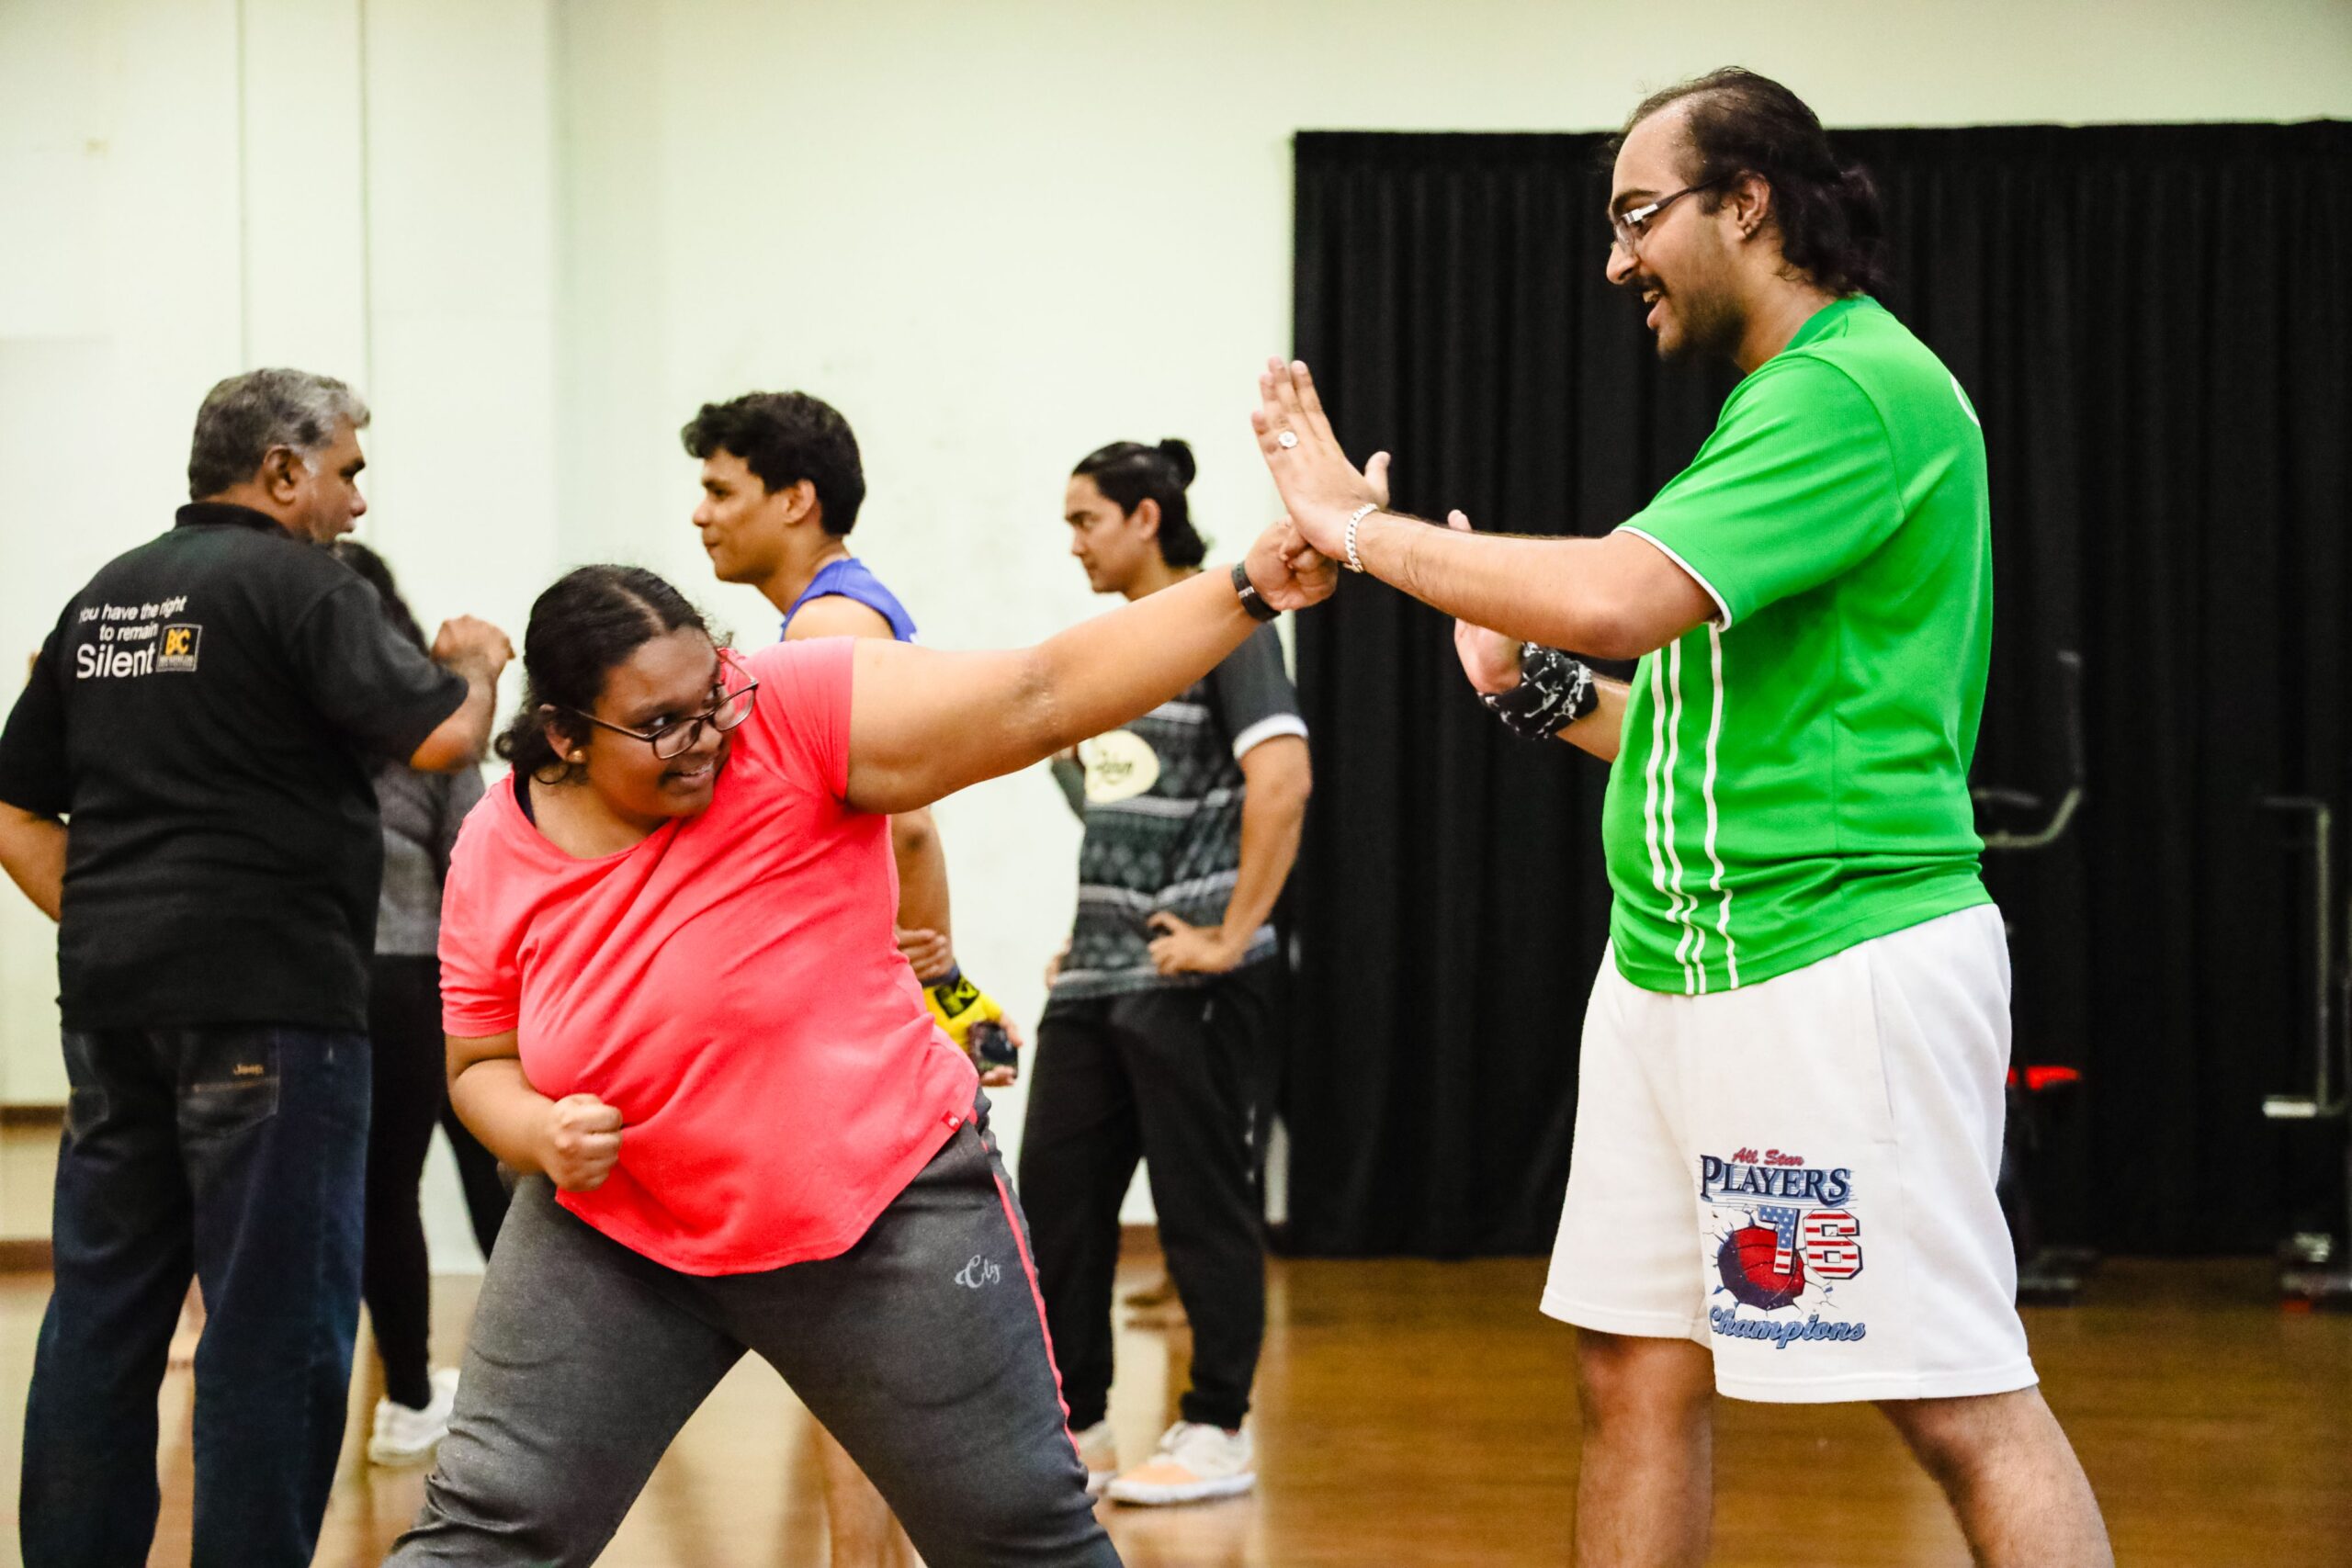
[
  {"x": 192, "y": 188},
  {"x": 118, "y": 150},
  {"x": 996, "y": 235}
]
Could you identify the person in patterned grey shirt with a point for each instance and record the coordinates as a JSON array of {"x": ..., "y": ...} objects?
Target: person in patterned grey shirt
[
  {"x": 1158, "y": 1030},
  {"x": 409, "y": 1087}
]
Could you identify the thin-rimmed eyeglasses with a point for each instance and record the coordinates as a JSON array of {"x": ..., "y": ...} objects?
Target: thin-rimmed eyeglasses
[{"x": 677, "y": 738}]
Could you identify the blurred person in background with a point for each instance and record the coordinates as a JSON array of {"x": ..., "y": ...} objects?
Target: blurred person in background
[
  {"x": 1157, "y": 1040},
  {"x": 422, "y": 812},
  {"x": 782, "y": 486}
]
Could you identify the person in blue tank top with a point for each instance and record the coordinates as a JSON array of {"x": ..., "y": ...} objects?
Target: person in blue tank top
[
  {"x": 782, "y": 485},
  {"x": 846, "y": 577}
]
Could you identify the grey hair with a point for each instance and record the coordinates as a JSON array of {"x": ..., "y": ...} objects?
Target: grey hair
[{"x": 246, "y": 415}]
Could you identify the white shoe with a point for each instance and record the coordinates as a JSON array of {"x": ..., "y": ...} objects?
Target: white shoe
[
  {"x": 1099, "y": 1451},
  {"x": 1194, "y": 1463},
  {"x": 403, "y": 1436}
]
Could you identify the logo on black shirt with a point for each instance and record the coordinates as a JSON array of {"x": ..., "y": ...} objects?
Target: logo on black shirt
[
  {"x": 180, "y": 642},
  {"x": 135, "y": 641}
]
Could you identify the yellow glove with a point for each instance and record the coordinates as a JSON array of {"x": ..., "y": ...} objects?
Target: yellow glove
[{"x": 963, "y": 1008}]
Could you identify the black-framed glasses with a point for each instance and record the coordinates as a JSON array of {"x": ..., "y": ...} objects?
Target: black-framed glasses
[
  {"x": 677, "y": 738},
  {"x": 1627, "y": 227}
]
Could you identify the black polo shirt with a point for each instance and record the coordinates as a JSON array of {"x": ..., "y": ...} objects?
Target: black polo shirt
[{"x": 207, "y": 715}]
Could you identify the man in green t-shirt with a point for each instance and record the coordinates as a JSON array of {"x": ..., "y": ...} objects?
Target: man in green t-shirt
[{"x": 1789, "y": 1105}]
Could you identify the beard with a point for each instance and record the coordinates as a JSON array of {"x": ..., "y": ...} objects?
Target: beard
[{"x": 1711, "y": 327}]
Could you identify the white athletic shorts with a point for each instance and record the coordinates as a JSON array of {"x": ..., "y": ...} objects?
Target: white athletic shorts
[{"x": 1799, "y": 1174}]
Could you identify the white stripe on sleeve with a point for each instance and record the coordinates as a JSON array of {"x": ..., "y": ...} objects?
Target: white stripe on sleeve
[
  {"x": 1723, "y": 610},
  {"x": 1265, "y": 729}
]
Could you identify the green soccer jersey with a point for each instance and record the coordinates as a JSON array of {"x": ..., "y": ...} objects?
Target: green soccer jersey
[{"x": 1794, "y": 776}]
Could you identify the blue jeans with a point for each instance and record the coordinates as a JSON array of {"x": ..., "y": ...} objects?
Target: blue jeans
[{"x": 239, "y": 1152}]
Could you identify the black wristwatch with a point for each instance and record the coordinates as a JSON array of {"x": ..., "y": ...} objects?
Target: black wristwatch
[{"x": 1251, "y": 599}]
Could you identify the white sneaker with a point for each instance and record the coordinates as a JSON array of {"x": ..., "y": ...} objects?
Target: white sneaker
[
  {"x": 1099, "y": 1452},
  {"x": 1194, "y": 1463},
  {"x": 403, "y": 1436}
]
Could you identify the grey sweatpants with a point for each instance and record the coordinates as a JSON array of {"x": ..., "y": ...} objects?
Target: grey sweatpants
[{"x": 922, "y": 1349}]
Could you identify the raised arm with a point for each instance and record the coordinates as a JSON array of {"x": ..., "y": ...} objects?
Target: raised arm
[
  {"x": 1617, "y": 597},
  {"x": 926, "y": 914},
  {"x": 925, "y": 723},
  {"x": 477, "y": 650}
]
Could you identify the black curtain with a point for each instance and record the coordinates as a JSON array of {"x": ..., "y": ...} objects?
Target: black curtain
[{"x": 2156, "y": 325}]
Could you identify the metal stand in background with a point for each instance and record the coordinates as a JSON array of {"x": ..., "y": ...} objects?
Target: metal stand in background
[
  {"x": 2315, "y": 1266},
  {"x": 2047, "y": 1275}
]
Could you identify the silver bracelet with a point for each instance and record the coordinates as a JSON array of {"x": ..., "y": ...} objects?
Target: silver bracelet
[{"x": 1355, "y": 562}]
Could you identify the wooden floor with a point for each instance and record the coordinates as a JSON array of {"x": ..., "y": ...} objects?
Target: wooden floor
[{"x": 1422, "y": 1414}]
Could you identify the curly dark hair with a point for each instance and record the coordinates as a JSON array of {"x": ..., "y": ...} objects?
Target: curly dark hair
[
  {"x": 786, "y": 437},
  {"x": 1129, "y": 473},
  {"x": 590, "y": 619},
  {"x": 1827, "y": 213}
]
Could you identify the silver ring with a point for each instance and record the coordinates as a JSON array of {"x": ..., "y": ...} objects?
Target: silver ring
[{"x": 1288, "y": 439}]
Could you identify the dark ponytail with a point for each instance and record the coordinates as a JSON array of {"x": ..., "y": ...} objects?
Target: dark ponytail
[
  {"x": 1129, "y": 473},
  {"x": 592, "y": 618}
]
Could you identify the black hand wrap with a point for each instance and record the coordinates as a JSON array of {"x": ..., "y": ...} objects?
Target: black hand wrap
[{"x": 1554, "y": 691}]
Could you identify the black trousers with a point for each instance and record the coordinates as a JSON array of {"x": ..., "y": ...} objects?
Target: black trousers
[
  {"x": 411, "y": 1097},
  {"x": 1180, "y": 1077},
  {"x": 404, "y": 1028},
  {"x": 488, "y": 1185}
]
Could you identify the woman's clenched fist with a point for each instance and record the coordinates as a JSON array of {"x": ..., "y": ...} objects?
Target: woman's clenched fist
[{"x": 580, "y": 1142}]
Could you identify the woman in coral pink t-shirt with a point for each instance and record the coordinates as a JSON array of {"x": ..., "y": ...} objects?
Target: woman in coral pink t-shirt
[{"x": 673, "y": 994}]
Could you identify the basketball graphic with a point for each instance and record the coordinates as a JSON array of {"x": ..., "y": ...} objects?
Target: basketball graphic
[{"x": 1758, "y": 1269}]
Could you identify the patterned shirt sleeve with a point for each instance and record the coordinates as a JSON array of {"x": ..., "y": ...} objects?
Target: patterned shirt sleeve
[{"x": 1255, "y": 699}]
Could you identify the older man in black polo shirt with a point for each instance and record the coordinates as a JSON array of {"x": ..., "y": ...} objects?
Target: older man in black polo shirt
[{"x": 204, "y": 717}]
